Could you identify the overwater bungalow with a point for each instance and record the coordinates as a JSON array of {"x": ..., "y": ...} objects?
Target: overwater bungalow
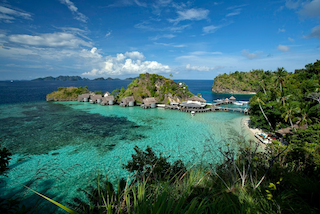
[
  {"x": 232, "y": 98},
  {"x": 106, "y": 94},
  {"x": 149, "y": 102},
  {"x": 107, "y": 100},
  {"x": 83, "y": 97},
  {"x": 196, "y": 99},
  {"x": 195, "y": 104},
  {"x": 127, "y": 101},
  {"x": 95, "y": 99}
]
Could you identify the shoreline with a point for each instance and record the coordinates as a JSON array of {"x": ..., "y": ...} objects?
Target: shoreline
[
  {"x": 250, "y": 93},
  {"x": 253, "y": 131}
]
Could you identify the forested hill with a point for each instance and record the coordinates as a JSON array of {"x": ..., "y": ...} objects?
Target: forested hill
[
  {"x": 164, "y": 90},
  {"x": 238, "y": 82}
]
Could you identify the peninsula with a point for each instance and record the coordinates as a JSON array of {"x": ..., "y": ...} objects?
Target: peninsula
[{"x": 238, "y": 82}]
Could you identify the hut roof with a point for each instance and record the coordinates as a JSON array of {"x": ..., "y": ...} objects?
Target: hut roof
[
  {"x": 232, "y": 98},
  {"x": 289, "y": 129},
  {"x": 95, "y": 97},
  {"x": 126, "y": 100},
  {"x": 106, "y": 94},
  {"x": 284, "y": 131},
  {"x": 149, "y": 100},
  {"x": 226, "y": 100},
  {"x": 195, "y": 98},
  {"x": 85, "y": 95},
  {"x": 108, "y": 98}
]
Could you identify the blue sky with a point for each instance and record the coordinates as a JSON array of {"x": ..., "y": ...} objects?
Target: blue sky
[{"x": 123, "y": 38}]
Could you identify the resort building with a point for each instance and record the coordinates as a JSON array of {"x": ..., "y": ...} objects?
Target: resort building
[
  {"x": 83, "y": 97},
  {"x": 95, "y": 99},
  {"x": 149, "y": 102},
  {"x": 127, "y": 101},
  {"x": 194, "y": 103},
  {"x": 107, "y": 100}
]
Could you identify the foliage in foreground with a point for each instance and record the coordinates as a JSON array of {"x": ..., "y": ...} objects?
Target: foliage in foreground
[
  {"x": 248, "y": 181},
  {"x": 254, "y": 182}
]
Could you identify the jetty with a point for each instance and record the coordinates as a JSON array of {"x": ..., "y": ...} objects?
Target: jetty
[{"x": 191, "y": 105}]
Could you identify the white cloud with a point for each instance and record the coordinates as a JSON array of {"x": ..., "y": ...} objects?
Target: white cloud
[
  {"x": 191, "y": 14},
  {"x": 281, "y": 30},
  {"x": 248, "y": 55},
  {"x": 210, "y": 29},
  {"x": 292, "y": 4},
  {"x": 8, "y": 14},
  {"x": 234, "y": 13},
  {"x": 315, "y": 33},
  {"x": 128, "y": 63},
  {"x": 135, "y": 55},
  {"x": 201, "y": 68},
  {"x": 283, "y": 48},
  {"x": 167, "y": 36},
  {"x": 50, "y": 40},
  {"x": 108, "y": 34},
  {"x": 77, "y": 15},
  {"x": 290, "y": 39},
  {"x": 311, "y": 9},
  {"x": 205, "y": 53},
  {"x": 170, "y": 44},
  {"x": 179, "y": 46}
]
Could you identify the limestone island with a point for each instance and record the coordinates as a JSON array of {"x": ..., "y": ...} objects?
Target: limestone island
[{"x": 238, "y": 82}]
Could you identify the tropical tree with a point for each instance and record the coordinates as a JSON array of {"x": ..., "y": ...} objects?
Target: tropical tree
[
  {"x": 281, "y": 73},
  {"x": 258, "y": 100},
  {"x": 290, "y": 113}
]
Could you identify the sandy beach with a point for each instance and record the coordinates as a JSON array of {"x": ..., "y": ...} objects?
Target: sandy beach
[{"x": 253, "y": 131}]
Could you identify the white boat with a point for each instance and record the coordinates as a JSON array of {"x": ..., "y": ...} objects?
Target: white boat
[
  {"x": 11, "y": 80},
  {"x": 263, "y": 138},
  {"x": 238, "y": 103},
  {"x": 244, "y": 102},
  {"x": 193, "y": 113}
]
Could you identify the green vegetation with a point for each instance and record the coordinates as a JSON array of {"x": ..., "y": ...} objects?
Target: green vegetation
[
  {"x": 239, "y": 82},
  {"x": 67, "y": 93},
  {"x": 153, "y": 85},
  {"x": 60, "y": 78}
]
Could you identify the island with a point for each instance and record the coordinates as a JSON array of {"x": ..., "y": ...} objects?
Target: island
[
  {"x": 238, "y": 82},
  {"x": 73, "y": 78}
]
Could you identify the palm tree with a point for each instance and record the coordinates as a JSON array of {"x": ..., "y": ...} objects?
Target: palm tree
[
  {"x": 304, "y": 119},
  {"x": 259, "y": 101},
  {"x": 289, "y": 114},
  {"x": 282, "y": 100},
  {"x": 281, "y": 73}
]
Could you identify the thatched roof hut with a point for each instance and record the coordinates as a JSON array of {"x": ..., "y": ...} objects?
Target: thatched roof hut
[
  {"x": 96, "y": 97},
  {"x": 106, "y": 94},
  {"x": 197, "y": 99},
  {"x": 226, "y": 100},
  {"x": 148, "y": 101},
  {"x": 127, "y": 101},
  {"x": 289, "y": 129},
  {"x": 82, "y": 97},
  {"x": 109, "y": 98},
  {"x": 232, "y": 98}
]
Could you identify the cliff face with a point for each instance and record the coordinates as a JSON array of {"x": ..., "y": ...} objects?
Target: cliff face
[
  {"x": 152, "y": 85},
  {"x": 238, "y": 82}
]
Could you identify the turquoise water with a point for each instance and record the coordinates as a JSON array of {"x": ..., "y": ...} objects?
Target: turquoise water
[{"x": 61, "y": 146}]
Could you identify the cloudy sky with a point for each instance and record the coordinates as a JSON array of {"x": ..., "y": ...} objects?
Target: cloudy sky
[{"x": 196, "y": 39}]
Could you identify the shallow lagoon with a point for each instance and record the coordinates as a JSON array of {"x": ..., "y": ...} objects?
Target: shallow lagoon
[{"x": 61, "y": 146}]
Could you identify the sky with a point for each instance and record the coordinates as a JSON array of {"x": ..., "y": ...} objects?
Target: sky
[{"x": 197, "y": 39}]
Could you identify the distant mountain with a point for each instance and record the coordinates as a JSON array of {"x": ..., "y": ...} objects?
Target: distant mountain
[
  {"x": 109, "y": 78},
  {"x": 131, "y": 78},
  {"x": 100, "y": 78},
  {"x": 60, "y": 78}
]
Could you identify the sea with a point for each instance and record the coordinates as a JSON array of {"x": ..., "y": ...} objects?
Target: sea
[{"x": 59, "y": 148}]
